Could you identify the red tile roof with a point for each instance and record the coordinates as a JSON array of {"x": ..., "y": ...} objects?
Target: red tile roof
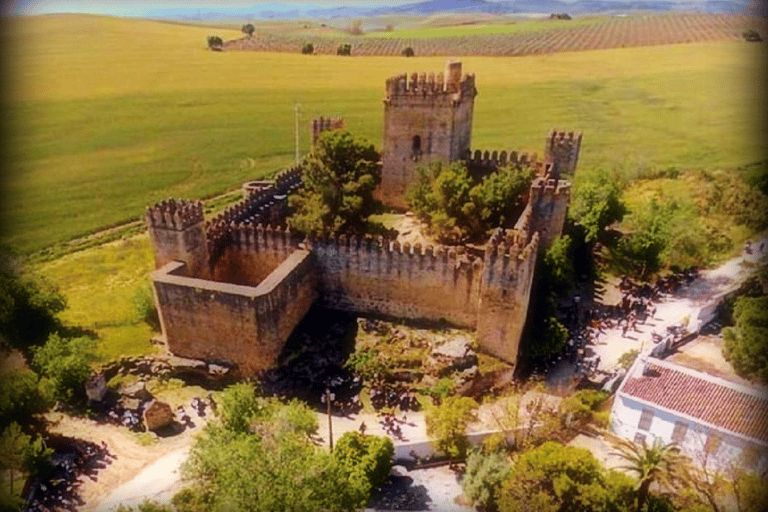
[{"x": 701, "y": 396}]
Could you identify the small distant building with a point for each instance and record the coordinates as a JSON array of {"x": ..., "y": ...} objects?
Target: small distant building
[{"x": 712, "y": 420}]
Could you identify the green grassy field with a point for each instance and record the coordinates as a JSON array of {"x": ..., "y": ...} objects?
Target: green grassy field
[
  {"x": 503, "y": 26},
  {"x": 109, "y": 115}
]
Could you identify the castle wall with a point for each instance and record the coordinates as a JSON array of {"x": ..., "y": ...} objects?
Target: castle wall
[
  {"x": 548, "y": 206},
  {"x": 506, "y": 286},
  {"x": 252, "y": 253},
  {"x": 368, "y": 276},
  {"x": 243, "y": 324}
]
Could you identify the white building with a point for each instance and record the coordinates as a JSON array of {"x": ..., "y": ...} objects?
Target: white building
[{"x": 714, "y": 421}]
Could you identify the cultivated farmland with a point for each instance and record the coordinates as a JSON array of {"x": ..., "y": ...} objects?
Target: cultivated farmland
[{"x": 532, "y": 38}]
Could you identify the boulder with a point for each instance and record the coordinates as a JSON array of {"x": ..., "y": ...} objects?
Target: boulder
[
  {"x": 136, "y": 390},
  {"x": 96, "y": 387},
  {"x": 131, "y": 404},
  {"x": 157, "y": 415},
  {"x": 455, "y": 354}
]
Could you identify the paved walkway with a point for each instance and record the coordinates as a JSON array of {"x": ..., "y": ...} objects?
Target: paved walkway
[{"x": 688, "y": 307}]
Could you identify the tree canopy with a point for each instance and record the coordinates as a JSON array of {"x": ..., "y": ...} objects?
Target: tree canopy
[
  {"x": 559, "y": 478},
  {"x": 65, "y": 362},
  {"x": 339, "y": 175},
  {"x": 248, "y": 29},
  {"x": 458, "y": 207},
  {"x": 746, "y": 344},
  {"x": 28, "y": 309},
  {"x": 260, "y": 457},
  {"x": 596, "y": 205}
]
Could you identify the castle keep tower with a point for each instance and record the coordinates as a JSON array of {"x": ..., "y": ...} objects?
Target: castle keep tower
[{"x": 427, "y": 118}]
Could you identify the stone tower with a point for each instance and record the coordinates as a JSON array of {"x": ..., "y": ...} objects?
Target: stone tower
[
  {"x": 427, "y": 118},
  {"x": 177, "y": 231},
  {"x": 562, "y": 149}
]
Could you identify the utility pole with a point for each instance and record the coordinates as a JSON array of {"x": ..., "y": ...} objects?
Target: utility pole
[{"x": 296, "y": 109}]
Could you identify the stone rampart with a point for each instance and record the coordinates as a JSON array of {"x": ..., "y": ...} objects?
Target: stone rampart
[
  {"x": 382, "y": 277},
  {"x": 246, "y": 325},
  {"x": 548, "y": 202},
  {"x": 253, "y": 252},
  {"x": 506, "y": 285},
  {"x": 263, "y": 204}
]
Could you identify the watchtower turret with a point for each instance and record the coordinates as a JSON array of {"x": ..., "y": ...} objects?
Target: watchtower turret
[
  {"x": 562, "y": 149},
  {"x": 177, "y": 231},
  {"x": 426, "y": 118}
]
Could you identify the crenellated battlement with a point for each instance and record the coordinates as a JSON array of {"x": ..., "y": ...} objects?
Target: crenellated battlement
[
  {"x": 483, "y": 162},
  {"x": 548, "y": 189},
  {"x": 174, "y": 214},
  {"x": 451, "y": 84},
  {"x": 562, "y": 149},
  {"x": 507, "y": 256},
  {"x": 323, "y": 124}
]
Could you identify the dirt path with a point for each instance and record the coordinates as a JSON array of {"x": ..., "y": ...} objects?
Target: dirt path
[{"x": 130, "y": 457}]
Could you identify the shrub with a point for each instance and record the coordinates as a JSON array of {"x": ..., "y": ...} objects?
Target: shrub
[
  {"x": 447, "y": 423},
  {"x": 308, "y": 49},
  {"x": 483, "y": 477},
  {"x": 248, "y": 29},
  {"x": 215, "y": 43},
  {"x": 344, "y": 49},
  {"x": 408, "y": 52},
  {"x": 144, "y": 301},
  {"x": 752, "y": 36},
  {"x": 366, "y": 454},
  {"x": 66, "y": 363}
]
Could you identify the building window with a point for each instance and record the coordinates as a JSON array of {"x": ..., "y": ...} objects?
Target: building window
[
  {"x": 640, "y": 438},
  {"x": 416, "y": 144},
  {"x": 645, "y": 420},
  {"x": 678, "y": 434}
]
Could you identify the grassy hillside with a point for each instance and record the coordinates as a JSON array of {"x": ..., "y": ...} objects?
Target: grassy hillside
[{"x": 109, "y": 115}]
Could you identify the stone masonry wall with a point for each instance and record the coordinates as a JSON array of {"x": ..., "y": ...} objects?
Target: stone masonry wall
[
  {"x": 243, "y": 324},
  {"x": 381, "y": 277},
  {"x": 506, "y": 285}
]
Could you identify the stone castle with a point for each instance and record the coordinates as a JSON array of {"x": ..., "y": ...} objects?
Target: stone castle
[{"x": 235, "y": 286}]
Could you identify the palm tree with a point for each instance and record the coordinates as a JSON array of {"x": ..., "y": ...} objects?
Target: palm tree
[{"x": 659, "y": 462}]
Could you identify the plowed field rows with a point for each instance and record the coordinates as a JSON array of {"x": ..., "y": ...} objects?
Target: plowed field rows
[{"x": 605, "y": 33}]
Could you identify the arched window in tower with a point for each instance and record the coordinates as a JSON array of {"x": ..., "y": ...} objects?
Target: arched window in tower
[{"x": 416, "y": 148}]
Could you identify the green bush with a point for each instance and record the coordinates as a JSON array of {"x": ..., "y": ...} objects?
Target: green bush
[
  {"x": 308, "y": 49},
  {"x": 447, "y": 424},
  {"x": 366, "y": 454},
  {"x": 485, "y": 471},
  {"x": 408, "y": 51},
  {"x": 144, "y": 302},
  {"x": 66, "y": 363},
  {"x": 215, "y": 43},
  {"x": 746, "y": 344},
  {"x": 344, "y": 49}
]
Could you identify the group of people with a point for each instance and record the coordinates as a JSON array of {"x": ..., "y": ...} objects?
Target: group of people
[
  {"x": 390, "y": 396},
  {"x": 391, "y": 425}
]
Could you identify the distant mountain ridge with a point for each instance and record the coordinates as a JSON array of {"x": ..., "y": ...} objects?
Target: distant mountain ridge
[{"x": 429, "y": 7}]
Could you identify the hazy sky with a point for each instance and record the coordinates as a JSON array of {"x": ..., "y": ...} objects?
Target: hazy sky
[
  {"x": 107, "y": 7},
  {"x": 127, "y": 7}
]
